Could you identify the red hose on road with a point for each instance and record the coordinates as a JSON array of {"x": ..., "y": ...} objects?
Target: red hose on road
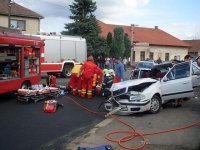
[{"x": 131, "y": 133}]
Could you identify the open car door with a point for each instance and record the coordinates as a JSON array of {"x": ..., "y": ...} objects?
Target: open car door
[
  {"x": 177, "y": 83},
  {"x": 195, "y": 73}
]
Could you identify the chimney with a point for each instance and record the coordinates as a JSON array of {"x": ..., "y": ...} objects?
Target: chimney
[
  {"x": 156, "y": 27},
  {"x": 132, "y": 25}
]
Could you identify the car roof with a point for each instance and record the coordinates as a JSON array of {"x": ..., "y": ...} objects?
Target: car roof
[
  {"x": 146, "y": 61},
  {"x": 157, "y": 66},
  {"x": 163, "y": 65}
]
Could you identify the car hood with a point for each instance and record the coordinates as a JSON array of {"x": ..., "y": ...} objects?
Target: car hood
[{"x": 128, "y": 83}]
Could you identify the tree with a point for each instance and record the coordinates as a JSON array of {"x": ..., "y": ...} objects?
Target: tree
[
  {"x": 109, "y": 39},
  {"x": 101, "y": 47},
  {"x": 127, "y": 44},
  {"x": 118, "y": 42},
  {"x": 84, "y": 24}
]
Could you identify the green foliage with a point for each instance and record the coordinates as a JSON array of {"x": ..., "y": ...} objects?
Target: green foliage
[
  {"x": 127, "y": 43},
  {"x": 101, "y": 47},
  {"x": 82, "y": 9},
  {"x": 118, "y": 42},
  {"x": 109, "y": 39},
  {"x": 85, "y": 25},
  {"x": 112, "y": 51}
]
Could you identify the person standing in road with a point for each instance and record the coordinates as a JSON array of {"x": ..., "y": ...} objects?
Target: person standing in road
[
  {"x": 88, "y": 70},
  {"x": 187, "y": 58},
  {"x": 159, "y": 61},
  {"x": 119, "y": 71},
  {"x": 125, "y": 61},
  {"x": 175, "y": 61}
]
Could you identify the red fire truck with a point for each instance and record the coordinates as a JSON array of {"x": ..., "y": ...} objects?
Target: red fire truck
[{"x": 19, "y": 60}]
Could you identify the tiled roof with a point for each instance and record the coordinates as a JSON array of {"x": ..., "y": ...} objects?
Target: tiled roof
[
  {"x": 195, "y": 45},
  {"x": 153, "y": 36},
  {"x": 17, "y": 10}
]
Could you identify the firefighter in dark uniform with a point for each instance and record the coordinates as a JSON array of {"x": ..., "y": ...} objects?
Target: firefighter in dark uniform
[{"x": 107, "y": 82}]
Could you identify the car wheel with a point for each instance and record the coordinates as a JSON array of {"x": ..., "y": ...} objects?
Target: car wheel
[
  {"x": 108, "y": 106},
  {"x": 155, "y": 104},
  {"x": 67, "y": 71}
]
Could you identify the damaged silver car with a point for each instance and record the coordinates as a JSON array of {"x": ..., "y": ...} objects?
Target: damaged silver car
[{"x": 150, "y": 93}]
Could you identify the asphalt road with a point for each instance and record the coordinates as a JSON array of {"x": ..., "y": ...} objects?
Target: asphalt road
[{"x": 24, "y": 126}]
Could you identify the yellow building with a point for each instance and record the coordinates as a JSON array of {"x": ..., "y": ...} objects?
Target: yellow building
[
  {"x": 16, "y": 16},
  {"x": 149, "y": 43}
]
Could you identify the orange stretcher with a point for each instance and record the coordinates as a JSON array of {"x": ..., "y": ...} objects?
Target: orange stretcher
[{"x": 35, "y": 95}]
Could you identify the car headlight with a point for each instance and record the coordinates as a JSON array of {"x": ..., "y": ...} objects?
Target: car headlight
[{"x": 137, "y": 97}]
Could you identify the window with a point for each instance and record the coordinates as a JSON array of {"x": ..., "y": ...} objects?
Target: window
[
  {"x": 166, "y": 56},
  {"x": 151, "y": 55},
  {"x": 142, "y": 55},
  {"x": 18, "y": 24},
  {"x": 179, "y": 71}
]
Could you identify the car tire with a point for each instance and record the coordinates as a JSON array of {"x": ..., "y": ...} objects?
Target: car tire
[
  {"x": 155, "y": 104},
  {"x": 67, "y": 71}
]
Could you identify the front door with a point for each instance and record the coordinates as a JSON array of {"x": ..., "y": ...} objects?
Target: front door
[{"x": 177, "y": 83}]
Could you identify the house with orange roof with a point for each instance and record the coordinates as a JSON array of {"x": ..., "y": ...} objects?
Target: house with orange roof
[
  {"x": 15, "y": 16},
  {"x": 194, "y": 50},
  {"x": 149, "y": 43}
]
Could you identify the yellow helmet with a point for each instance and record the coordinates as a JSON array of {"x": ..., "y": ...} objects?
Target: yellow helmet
[
  {"x": 111, "y": 72},
  {"x": 105, "y": 71}
]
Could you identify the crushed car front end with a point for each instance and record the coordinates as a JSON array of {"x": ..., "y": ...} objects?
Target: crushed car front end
[{"x": 131, "y": 96}]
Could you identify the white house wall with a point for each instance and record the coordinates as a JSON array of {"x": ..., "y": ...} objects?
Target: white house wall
[{"x": 159, "y": 51}]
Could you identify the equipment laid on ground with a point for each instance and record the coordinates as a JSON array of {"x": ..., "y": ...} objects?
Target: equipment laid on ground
[
  {"x": 105, "y": 147},
  {"x": 36, "y": 93},
  {"x": 50, "y": 106}
]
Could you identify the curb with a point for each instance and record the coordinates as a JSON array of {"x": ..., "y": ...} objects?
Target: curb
[{"x": 83, "y": 140}]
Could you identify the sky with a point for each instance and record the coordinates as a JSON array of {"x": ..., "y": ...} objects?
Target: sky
[{"x": 179, "y": 18}]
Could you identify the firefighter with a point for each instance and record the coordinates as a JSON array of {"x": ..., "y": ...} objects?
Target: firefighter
[
  {"x": 51, "y": 81},
  {"x": 107, "y": 82},
  {"x": 99, "y": 80},
  {"x": 99, "y": 76},
  {"x": 74, "y": 81},
  {"x": 94, "y": 81},
  {"x": 88, "y": 70},
  {"x": 79, "y": 84},
  {"x": 105, "y": 71}
]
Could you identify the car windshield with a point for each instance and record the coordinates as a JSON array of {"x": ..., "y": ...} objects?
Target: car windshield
[
  {"x": 147, "y": 65},
  {"x": 156, "y": 72}
]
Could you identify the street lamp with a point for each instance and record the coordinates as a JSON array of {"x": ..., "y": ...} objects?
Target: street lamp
[{"x": 9, "y": 12}]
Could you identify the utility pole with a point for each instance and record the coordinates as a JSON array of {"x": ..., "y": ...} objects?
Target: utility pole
[{"x": 132, "y": 45}]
